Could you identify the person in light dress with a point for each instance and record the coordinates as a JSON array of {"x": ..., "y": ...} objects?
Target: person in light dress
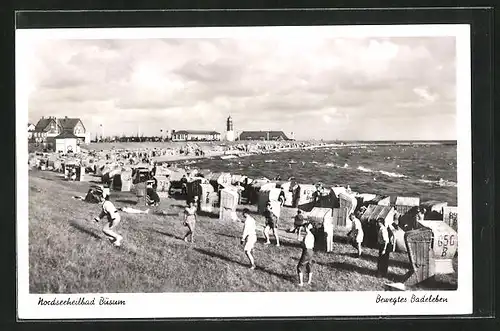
[
  {"x": 249, "y": 236},
  {"x": 190, "y": 219},
  {"x": 356, "y": 233}
]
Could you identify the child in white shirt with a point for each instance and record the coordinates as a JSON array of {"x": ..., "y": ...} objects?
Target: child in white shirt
[
  {"x": 249, "y": 236},
  {"x": 113, "y": 216}
]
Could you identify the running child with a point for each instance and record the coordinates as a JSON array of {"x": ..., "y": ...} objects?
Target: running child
[
  {"x": 271, "y": 223},
  {"x": 307, "y": 255},
  {"x": 113, "y": 219}
]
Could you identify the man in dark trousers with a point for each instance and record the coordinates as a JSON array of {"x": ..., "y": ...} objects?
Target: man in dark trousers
[
  {"x": 152, "y": 197},
  {"x": 154, "y": 179},
  {"x": 271, "y": 224},
  {"x": 383, "y": 248},
  {"x": 298, "y": 223},
  {"x": 184, "y": 182},
  {"x": 306, "y": 259},
  {"x": 281, "y": 197}
]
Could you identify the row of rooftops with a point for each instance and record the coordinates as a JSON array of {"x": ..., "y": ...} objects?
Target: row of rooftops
[
  {"x": 244, "y": 135},
  {"x": 66, "y": 123},
  {"x": 200, "y": 132}
]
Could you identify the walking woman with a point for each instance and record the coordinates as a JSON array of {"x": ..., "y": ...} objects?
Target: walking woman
[
  {"x": 190, "y": 219},
  {"x": 356, "y": 233}
]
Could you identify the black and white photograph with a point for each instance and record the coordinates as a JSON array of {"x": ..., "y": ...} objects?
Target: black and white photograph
[{"x": 212, "y": 170}]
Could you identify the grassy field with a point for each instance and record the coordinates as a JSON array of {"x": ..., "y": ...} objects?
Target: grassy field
[{"x": 69, "y": 254}]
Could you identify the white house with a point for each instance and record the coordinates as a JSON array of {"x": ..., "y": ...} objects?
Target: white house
[
  {"x": 31, "y": 128},
  {"x": 67, "y": 142},
  {"x": 48, "y": 128}
]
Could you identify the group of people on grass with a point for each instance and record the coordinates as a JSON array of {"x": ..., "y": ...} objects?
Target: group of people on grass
[
  {"x": 386, "y": 241},
  {"x": 385, "y": 237},
  {"x": 249, "y": 239}
]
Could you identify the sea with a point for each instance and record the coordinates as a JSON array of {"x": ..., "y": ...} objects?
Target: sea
[{"x": 425, "y": 171}]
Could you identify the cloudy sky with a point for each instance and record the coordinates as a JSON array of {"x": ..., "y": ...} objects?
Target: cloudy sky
[{"x": 319, "y": 88}]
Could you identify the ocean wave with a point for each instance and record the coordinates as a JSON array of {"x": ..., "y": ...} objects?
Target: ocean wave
[
  {"x": 441, "y": 182},
  {"x": 448, "y": 183},
  {"x": 383, "y": 172},
  {"x": 270, "y": 161},
  {"x": 391, "y": 174},
  {"x": 314, "y": 162},
  {"x": 333, "y": 165},
  {"x": 361, "y": 168}
]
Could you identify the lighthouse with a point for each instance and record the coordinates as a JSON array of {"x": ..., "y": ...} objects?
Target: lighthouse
[{"x": 229, "y": 129}]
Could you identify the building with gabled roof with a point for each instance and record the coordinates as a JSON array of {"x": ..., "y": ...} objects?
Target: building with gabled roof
[
  {"x": 263, "y": 135},
  {"x": 195, "y": 135},
  {"x": 31, "y": 128},
  {"x": 48, "y": 128}
]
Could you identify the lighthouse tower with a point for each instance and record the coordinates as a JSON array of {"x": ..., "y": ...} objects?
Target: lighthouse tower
[{"x": 229, "y": 129}]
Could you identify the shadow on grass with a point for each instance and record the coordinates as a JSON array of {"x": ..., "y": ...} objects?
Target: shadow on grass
[
  {"x": 396, "y": 263},
  {"x": 35, "y": 189},
  {"x": 290, "y": 244},
  {"x": 259, "y": 268},
  {"x": 341, "y": 240},
  {"x": 49, "y": 178},
  {"x": 164, "y": 233},
  {"x": 436, "y": 284},
  {"x": 84, "y": 230},
  {"x": 163, "y": 213},
  {"x": 209, "y": 215},
  {"x": 252, "y": 212},
  {"x": 282, "y": 242},
  {"x": 200, "y": 213},
  {"x": 178, "y": 206},
  {"x": 360, "y": 270},
  {"x": 227, "y": 235},
  {"x": 129, "y": 201},
  {"x": 261, "y": 240},
  {"x": 178, "y": 197}
]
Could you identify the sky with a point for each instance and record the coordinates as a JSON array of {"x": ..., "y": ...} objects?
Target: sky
[{"x": 319, "y": 88}]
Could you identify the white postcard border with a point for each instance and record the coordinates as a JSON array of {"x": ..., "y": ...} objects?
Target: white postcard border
[{"x": 213, "y": 305}]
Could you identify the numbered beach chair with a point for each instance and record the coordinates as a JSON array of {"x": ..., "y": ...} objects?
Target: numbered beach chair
[
  {"x": 420, "y": 254},
  {"x": 322, "y": 219},
  {"x": 228, "y": 205}
]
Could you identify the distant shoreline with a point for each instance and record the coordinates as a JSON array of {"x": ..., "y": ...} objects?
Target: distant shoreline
[
  {"x": 238, "y": 153},
  {"x": 166, "y": 144},
  {"x": 176, "y": 158}
]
